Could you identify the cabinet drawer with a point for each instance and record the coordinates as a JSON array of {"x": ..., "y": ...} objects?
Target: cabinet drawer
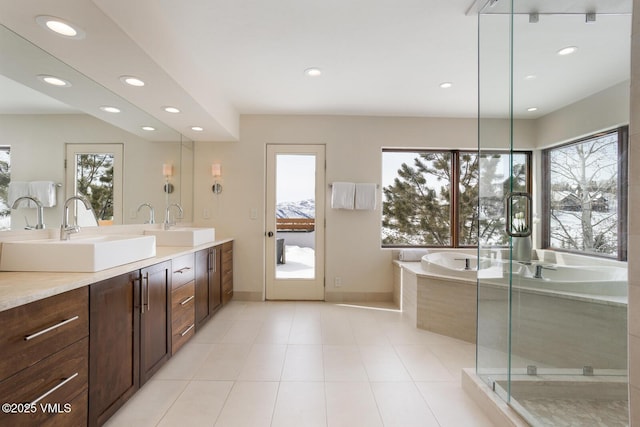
[
  {"x": 182, "y": 329},
  {"x": 34, "y": 331},
  {"x": 52, "y": 385},
  {"x": 183, "y": 300},
  {"x": 182, "y": 270},
  {"x": 183, "y": 315}
]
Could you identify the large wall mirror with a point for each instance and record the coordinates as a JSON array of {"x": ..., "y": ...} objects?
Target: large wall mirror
[{"x": 39, "y": 123}]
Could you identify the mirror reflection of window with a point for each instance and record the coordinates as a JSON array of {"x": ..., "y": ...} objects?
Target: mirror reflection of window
[{"x": 5, "y": 178}]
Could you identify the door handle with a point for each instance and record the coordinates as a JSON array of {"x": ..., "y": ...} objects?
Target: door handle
[
  {"x": 270, "y": 234},
  {"x": 525, "y": 230}
]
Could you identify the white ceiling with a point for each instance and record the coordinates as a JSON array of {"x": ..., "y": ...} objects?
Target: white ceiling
[{"x": 217, "y": 59}]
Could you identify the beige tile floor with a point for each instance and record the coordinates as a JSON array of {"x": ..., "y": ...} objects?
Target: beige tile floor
[{"x": 309, "y": 364}]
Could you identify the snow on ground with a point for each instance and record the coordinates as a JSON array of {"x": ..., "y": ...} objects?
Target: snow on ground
[{"x": 299, "y": 263}]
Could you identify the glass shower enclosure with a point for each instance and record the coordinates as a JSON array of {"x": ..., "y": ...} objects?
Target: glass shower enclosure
[{"x": 555, "y": 351}]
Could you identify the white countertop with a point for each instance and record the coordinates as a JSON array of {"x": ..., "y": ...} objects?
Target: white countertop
[{"x": 19, "y": 288}]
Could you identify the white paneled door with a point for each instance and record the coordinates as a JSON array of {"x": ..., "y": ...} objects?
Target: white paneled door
[{"x": 294, "y": 221}]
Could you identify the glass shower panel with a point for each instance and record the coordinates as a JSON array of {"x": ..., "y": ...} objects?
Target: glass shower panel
[
  {"x": 551, "y": 337},
  {"x": 494, "y": 134}
]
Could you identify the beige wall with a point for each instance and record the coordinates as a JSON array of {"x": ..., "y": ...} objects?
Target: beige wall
[
  {"x": 604, "y": 110},
  {"x": 634, "y": 223},
  {"x": 353, "y": 150},
  {"x": 38, "y": 150}
]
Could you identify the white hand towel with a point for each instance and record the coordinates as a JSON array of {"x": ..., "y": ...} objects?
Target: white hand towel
[
  {"x": 343, "y": 195},
  {"x": 16, "y": 190},
  {"x": 45, "y": 191},
  {"x": 366, "y": 196}
]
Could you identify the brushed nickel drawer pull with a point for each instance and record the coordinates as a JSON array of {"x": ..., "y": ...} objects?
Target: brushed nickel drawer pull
[
  {"x": 50, "y": 328},
  {"x": 54, "y": 388},
  {"x": 148, "y": 298},
  {"x": 187, "y": 300},
  {"x": 182, "y": 270},
  {"x": 187, "y": 331}
]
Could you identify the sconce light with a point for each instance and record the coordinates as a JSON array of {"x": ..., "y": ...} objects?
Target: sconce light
[
  {"x": 167, "y": 172},
  {"x": 216, "y": 173}
]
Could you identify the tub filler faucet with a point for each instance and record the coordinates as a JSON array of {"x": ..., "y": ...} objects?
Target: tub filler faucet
[
  {"x": 467, "y": 262},
  {"x": 539, "y": 268}
]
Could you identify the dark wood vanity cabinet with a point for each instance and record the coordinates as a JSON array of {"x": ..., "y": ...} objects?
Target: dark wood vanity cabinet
[
  {"x": 45, "y": 359},
  {"x": 227, "y": 272},
  {"x": 155, "y": 321},
  {"x": 114, "y": 371},
  {"x": 129, "y": 336},
  {"x": 208, "y": 283},
  {"x": 183, "y": 299}
]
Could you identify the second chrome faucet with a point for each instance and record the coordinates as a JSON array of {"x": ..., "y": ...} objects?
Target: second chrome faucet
[
  {"x": 66, "y": 229},
  {"x": 167, "y": 220}
]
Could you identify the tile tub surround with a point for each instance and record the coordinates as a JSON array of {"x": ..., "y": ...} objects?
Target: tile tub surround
[{"x": 305, "y": 363}]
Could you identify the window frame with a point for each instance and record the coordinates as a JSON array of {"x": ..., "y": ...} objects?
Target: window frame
[
  {"x": 454, "y": 211},
  {"x": 621, "y": 193}
]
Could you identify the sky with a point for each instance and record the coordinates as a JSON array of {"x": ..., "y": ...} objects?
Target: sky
[{"x": 295, "y": 177}]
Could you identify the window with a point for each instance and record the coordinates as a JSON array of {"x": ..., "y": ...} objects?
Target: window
[
  {"x": 585, "y": 207},
  {"x": 426, "y": 191}
]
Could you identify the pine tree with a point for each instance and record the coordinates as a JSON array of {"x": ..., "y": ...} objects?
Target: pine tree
[
  {"x": 417, "y": 205},
  {"x": 94, "y": 180}
]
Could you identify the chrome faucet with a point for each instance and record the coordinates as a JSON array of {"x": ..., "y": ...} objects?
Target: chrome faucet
[
  {"x": 167, "y": 219},
  {"x": 467, "y": 262},
  {"x": 539, "y": 268},
  {"x": 65, "y": 229},
  {"x": 152, "y": 214},
  {"x": 39, "y": 212}
]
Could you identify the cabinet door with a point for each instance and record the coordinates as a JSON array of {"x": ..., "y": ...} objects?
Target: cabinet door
[
  {"x": 114, "y": 351},
  {"x": 215, "y": 278},
  {"x": 155, "y": 322},
  {"x": 202, "y": 287}
]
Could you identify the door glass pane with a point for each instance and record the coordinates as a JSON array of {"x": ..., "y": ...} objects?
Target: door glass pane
[{"x": 295, "y": 216}]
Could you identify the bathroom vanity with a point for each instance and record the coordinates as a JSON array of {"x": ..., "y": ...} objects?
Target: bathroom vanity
[{"x": 77, "y": 346}]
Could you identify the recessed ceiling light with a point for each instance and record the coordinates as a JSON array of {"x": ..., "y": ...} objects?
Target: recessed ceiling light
[
  {"x": 313, "y": 72},
  {"x": 567, "y": 50},
  {"x": 446, "y": 85},
  {"x": 197, "y": 128},
  {"x": 149, "y": 128},
  {"x": 60, "y": 27},
  {"x": 110, "y": 109},
  {"x": 530, "y": 77},
  {"x": 54, "y": 81},
  {"x": 173, "y": 110},
  {"x": 131, "y": 81},
  {"x": 532, "y": 109}
]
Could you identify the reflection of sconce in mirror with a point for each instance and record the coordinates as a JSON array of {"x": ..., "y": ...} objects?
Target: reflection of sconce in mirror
[
  {"x": 167, "y": 172},
  {"x": 216, "y": 173}
]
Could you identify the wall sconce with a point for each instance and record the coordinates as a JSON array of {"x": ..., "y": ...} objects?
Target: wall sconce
[
  {"x": 216, "y": 173},
  {"x": 167, "y": 172}
]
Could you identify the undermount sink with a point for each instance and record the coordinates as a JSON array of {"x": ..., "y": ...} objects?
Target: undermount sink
[
  {"x": 183, "y": 236},
  {"x": 79, "y": 254}
]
